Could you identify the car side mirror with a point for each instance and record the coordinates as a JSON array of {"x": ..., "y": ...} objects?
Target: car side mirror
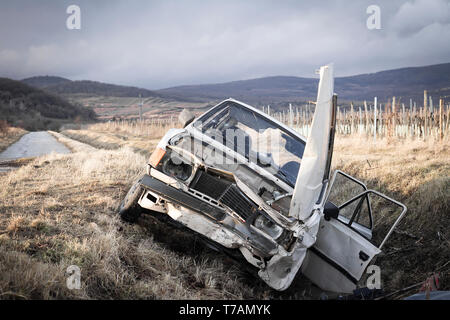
[
  {"x": 186, "y": 117},
  {"x": 330, "y": 210}
]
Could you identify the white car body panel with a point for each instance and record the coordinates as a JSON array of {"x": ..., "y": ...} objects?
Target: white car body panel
[
  {"x": 342, "y": 246},
  {"x": 310, "y": 176}
]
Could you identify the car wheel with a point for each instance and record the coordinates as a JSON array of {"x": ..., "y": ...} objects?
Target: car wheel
[{"x": 129, "y": 209}]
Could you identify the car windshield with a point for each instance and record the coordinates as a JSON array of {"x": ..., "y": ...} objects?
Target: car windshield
[{"x": 255, "y": 137}]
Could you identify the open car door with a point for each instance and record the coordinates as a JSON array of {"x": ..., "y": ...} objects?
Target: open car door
[{"x": 346, "y": 243}]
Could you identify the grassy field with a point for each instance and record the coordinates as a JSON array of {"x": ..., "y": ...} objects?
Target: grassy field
[
  {"x": 416, "y": 173},
  {"x": 60, "y": 210},
  {"x": 9, "y": 135},
  {"x": 107, "y": 107},
  {"x": 103, "y": 136}
]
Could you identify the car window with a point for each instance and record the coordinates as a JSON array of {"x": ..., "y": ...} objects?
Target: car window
[
  {"x": 343, "y": 190},
  {"x": 256, "y": 138}
]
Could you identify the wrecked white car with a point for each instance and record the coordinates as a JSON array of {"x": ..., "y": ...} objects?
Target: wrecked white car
[{"x": 245, "y": 181}]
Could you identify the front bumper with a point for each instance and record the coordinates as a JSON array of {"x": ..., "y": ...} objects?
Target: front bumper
[{"x": 180, "y": 197}]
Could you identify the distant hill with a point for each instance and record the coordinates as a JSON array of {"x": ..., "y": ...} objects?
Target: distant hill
[
  {"x": 115, "y": 100},
  {"x": 263, "y": 90},
  {"x": 99, "y": 89},
  {"x": 45, "y": 81},
  {"x": 64, "y": 86},
  {"x": 405, "y": 83},
  {"x": 33, "y": 109},
  {"x": 111, "y": 101}
]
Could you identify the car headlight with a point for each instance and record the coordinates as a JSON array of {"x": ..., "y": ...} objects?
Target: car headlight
[{"x": 175, "y": 167}]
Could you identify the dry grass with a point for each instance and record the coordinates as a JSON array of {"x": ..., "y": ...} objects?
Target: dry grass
[
  {"x": 10, "y": 135},
  {"x": 146, "y": 128},
  {"x": 112, "y": 135},
  {"x": 414, "y": 172},
  {"x": 60, "y": 210}
]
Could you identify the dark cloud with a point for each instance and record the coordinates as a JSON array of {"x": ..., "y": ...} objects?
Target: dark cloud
[{"x": 156, "y": 44}]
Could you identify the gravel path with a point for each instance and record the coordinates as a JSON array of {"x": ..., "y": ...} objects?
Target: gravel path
[{"x": 33, "y": 144}]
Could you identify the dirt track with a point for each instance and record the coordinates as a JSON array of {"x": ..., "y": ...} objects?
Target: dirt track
[{"x": 33, "y": 144}]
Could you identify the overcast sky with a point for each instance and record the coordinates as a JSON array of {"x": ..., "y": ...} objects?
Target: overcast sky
[{"x": 156, "y": 44}]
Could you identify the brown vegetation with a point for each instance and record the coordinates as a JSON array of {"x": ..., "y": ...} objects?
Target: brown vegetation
[
  {"x": 60, "y": 210},
  {"x": 9, "y": 135},
  {"x": 413, "y": 171},
  {"x": 142, "y": 138},
  {"x": 416, "y": 173}
]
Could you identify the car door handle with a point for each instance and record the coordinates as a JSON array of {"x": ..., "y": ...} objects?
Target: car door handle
[{"x": 363, "y": 256}]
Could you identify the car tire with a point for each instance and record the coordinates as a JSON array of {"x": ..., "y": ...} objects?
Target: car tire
[{"x": 129, "y": 209}]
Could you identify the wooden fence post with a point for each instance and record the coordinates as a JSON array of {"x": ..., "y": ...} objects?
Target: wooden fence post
[
  {"x": 430, "y": 107},
  {"x": 441, "y": 112},
  {"x": 393, "y": 117},
  {"x": 366, "y": 117},
  {"x": 447, "y": 127},
  {"x": 360, "y": 120},
  {"x": 375, "y": 119},
  {"x": 291, "y": 116},
  {"x": 351, "y": 118},
  {"x": 425, "y": 101},
  {"x": 402, "y": 126}
]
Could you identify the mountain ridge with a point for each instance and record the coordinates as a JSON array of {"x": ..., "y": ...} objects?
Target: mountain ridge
[
  {"x": 64, "y": 86},
  {"x": 406, "y": 82}
]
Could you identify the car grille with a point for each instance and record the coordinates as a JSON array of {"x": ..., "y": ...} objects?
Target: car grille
[
  {"x": 224, "y": 192},
  {"x": 237, "y": 201},
  {"x": 210, "y": 185}
]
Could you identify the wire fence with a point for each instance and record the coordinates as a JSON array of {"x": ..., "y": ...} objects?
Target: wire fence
[
  {"x": 377, "y": 121},
  {"x": 370, "y": 120}
]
